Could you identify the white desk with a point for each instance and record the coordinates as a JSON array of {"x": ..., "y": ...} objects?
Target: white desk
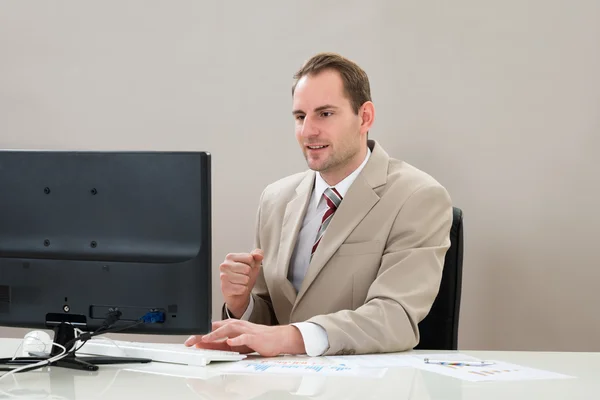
[{"x": 125, "y": 382}]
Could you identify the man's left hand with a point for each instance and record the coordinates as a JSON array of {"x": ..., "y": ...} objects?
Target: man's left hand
[{"x": 246, "y": 337}]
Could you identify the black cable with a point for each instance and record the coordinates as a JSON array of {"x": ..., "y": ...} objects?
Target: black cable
[
  {"x": 87, "y": 336},
  {"x": 110, "y": 320}
]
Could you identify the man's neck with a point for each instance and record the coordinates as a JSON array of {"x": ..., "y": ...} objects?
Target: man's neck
[{"x": 334, "y": 177}]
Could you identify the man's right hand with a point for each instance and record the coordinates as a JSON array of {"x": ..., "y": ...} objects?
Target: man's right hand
[{"x": 238, "y": 275}]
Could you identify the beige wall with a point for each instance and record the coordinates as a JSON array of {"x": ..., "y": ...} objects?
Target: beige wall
[{"x": 500, "y": 100}]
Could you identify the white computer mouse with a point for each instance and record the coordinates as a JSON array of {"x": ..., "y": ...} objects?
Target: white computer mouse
[{"x": 36, "y": 342}]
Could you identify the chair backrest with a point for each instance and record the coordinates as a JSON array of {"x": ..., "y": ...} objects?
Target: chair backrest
[{"x": 439, "y": 329}]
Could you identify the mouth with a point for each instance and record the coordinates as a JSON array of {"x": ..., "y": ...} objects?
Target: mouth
[{"x": 317, "y": 147}]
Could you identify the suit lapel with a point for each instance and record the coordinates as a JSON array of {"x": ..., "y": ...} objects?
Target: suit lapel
[
  {"x": 357, "y": 203},
  {"x": 292, "y": 221}
]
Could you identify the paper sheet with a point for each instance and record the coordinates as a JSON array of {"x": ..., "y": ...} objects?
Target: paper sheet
[
  {"x": 499, "y": 371},
  {"x": 377, "y": 360},
  {"x": 374, "y": 366},
  {"x": 302, "y": 367},
  {"x": 396, "y": 360}
]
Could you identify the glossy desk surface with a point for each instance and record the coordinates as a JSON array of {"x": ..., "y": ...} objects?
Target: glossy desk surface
[{"x": 164, "y": 381}]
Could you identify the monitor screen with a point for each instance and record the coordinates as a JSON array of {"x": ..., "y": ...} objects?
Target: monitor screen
[{"x": 84, "y": 233}]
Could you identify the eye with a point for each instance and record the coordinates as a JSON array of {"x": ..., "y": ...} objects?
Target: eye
[
  {"x": 326, "y": 114},
  {"x": 299, "y": 117}
]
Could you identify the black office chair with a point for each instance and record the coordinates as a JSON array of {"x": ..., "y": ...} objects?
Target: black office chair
[{"x": 439, "y": 329}]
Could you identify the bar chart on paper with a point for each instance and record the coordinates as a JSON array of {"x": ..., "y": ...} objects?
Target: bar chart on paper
[
  {"x": 493, "y": 372},
  {"x": 478, "y": 371},
  {"x": 301, "y": 367},
  {"x": 499, "y": 371}
]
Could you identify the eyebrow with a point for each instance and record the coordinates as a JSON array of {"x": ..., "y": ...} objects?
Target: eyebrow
[{"x": 320, "y": 108}]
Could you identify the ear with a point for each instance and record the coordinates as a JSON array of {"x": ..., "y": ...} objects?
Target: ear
[{"x": 366, "y": 113}]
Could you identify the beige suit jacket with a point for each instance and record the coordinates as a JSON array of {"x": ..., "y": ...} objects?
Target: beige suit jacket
[{"x": 378, "y": 267}]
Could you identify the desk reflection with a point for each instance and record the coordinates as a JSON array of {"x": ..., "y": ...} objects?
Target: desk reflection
[
  {"x": 160, "y": 381},
  {"x": 406, "y": 384}
]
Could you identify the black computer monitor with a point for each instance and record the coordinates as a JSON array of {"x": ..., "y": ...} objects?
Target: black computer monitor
[{"x": 86, "y": 233}]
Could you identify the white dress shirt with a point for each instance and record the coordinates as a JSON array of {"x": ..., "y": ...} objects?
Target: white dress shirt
[{"x": 314, "y": 336}]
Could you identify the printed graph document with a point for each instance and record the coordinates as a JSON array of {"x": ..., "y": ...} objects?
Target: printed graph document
[
  {"x": 456, "y": 365},
  {"x": 497, "y": 371},
  {"x": 301, "y": 366}
]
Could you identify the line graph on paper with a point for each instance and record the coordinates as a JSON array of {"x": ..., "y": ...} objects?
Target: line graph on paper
[
  {"x": 299, "y": 367},
  {"x": 296, "y": 365}
]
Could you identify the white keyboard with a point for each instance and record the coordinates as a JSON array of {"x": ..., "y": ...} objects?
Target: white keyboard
[{"x": 162, "y": 352}]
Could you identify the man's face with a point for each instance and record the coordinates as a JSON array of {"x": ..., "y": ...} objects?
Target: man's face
[{"x": 327, "y": 129}]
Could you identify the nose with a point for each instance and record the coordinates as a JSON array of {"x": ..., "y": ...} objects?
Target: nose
[{"x": 308, "y": 129}]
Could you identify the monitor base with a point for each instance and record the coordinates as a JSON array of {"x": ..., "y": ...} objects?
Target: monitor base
[
  {"x": 64, "y": 333},
  {"x": 83, "y": 363}
]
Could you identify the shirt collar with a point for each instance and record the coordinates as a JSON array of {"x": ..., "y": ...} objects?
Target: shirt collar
[{"x": 342, "y": 187}]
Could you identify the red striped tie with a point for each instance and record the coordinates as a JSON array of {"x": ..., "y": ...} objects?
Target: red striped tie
[{"x": 333, "y": 198}]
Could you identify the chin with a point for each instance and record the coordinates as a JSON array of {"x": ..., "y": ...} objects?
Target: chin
[
  {"x": 318, "y": 167},
  {"x": 314, "y": 167},
  {"x": 318, "y": 164}
]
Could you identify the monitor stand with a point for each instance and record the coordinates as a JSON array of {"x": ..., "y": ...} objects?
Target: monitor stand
[{"x": 64, "y": 333}]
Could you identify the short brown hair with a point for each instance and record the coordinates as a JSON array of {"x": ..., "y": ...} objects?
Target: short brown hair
[{"x": 356, "y": 81}]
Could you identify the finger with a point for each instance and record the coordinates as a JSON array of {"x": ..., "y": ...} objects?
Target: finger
[
  {"x": 232, "y": 329},
  {"x": 239, "y": 279},
  {"x": 192, "y": 340},
  {"x": 222, "y": 330},
  {"x": 236, "y": 267},
  {"x": 244, "y": 258},
  {"x": 245, "y": 339},
  {"x": 257, "y": 255},
  {"x": 223, "y": 346},
  {"x": 195, "y": 339},
  {"x": 218, "y": 335},
  {"x": 217, "y": 324}
]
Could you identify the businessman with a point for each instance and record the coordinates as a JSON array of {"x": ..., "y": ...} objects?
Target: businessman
[{"x": 349, "y": 254}]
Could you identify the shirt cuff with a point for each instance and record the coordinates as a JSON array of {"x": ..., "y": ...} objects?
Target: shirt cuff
[
  {"x": 247, "y": 313},
  {"x": 315, "y": 338}
]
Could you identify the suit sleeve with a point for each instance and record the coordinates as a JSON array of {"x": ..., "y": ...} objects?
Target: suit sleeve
[
  {"x": 406, "y": 284},
  {"x": 262, "y": 310}
]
